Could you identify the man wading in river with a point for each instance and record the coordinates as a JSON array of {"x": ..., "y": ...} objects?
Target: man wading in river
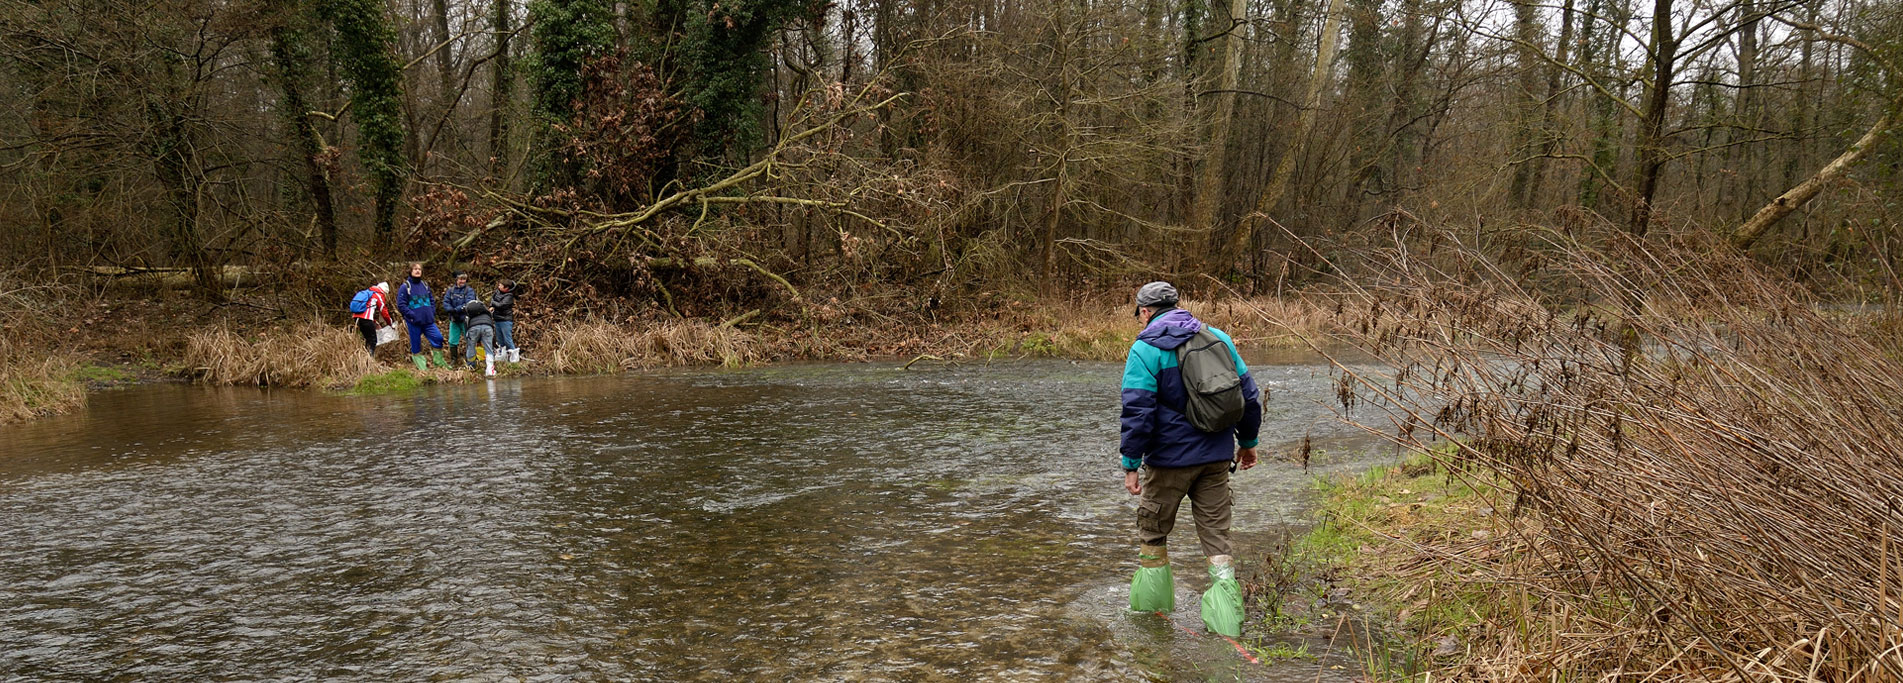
[{"x": 1187, "y": 398}]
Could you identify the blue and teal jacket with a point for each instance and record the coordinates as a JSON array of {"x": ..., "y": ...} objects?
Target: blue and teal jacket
[
  {"x": 414, "y": 302},
  {"x": 1155, "y": 431}
]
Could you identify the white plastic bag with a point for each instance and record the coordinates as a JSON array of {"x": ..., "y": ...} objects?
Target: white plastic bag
[{"x": 386, "y": 334}]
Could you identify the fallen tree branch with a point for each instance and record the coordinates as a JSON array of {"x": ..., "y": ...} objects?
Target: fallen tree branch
[
  {"x": 754, "y": 170},
  {"x": 1754, "y": 228},
  {"x": 1794, "y": 198},
  {"x": 667, "y": 262},
  {"x": 730, "y": 322},
  {"x": 922, "y": 356}
]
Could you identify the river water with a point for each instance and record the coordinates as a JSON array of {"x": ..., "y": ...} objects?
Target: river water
[{"x": 802, "y": 522}]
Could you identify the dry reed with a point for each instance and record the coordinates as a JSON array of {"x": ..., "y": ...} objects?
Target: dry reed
[
  {"x": 599, "y": 347},
  {"x": 37, "y": 385},
  {"x": 1104, "y": 331},
  {"x": 1702, "y": 465},
  {"x": 307, "y": 355},
  {"x": 36, "y": 369}
]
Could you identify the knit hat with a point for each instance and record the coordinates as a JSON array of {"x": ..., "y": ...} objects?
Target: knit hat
[{"x": 383, "y": 287}]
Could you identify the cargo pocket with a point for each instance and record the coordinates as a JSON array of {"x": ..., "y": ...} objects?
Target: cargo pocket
[{"x": 1150, "y": 517}]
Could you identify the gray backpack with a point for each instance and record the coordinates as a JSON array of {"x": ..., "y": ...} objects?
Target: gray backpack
[{"x": 1210, "y": 378}]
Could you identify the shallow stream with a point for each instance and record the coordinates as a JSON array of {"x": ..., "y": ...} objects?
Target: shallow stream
[{"x": 802, "y": 522}]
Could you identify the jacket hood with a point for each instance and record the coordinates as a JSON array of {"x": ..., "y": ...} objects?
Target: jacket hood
[
  {"x": 1170, "y": 329},
  {"x": 474, "y": 308}
]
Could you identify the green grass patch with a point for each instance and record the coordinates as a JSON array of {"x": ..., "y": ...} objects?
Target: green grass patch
[
  {"x": 398, "y": 380},
  {"x": 33, "y": 387},
  {"x": 101, "y": 374}
]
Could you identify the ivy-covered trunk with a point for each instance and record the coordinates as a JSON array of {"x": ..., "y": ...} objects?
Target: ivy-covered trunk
[
  {"x": 291, "y": 52},
  {"x": 568, "y": 35},
  {"x": 365, "y": 49}
]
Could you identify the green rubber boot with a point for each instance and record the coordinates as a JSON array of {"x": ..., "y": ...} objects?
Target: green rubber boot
[
  {"x": 422, "y": 362},
  {"x": 1152, "y": 589},
  {"x": 437, "y": 355},
  {"x": 1222, "y": 603}
]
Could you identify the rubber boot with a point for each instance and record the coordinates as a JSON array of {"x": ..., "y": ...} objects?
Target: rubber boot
[
  {"x": 421, "y": 361},
  {"x": 1153, "y": 589},
  {"x": 1222, "y": 603},
  {"x": 437, "y": 355}
]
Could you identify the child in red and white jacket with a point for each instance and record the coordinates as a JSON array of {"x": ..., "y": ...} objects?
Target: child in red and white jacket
[{"x": 378, "y": 308}]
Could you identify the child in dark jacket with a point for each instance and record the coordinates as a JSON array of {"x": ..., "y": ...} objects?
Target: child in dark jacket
[
  {"x": 481, "y": 334},
  {"x": 503, "y": 303},
  {"x": 453, "y": 300}
]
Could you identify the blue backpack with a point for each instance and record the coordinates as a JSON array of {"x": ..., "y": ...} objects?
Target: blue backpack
[{"x": 360, "y": 302}]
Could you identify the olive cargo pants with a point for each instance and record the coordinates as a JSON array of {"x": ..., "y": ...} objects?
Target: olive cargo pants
[{"x": 1208, "y": 489}]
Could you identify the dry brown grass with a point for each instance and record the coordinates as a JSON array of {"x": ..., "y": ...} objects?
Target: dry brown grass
[
  {"x": 37, "y": 385},
  {"x": 1702, "y": 472},
  {"x": 311, "y": 354},
  {"x": 1105, "y": 331},
  {"x": 36, "y": 372},
  {"x": 598, "y": 347}
]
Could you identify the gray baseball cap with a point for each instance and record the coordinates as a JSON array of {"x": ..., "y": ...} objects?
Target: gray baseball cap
[{"x": 1159, "y": 293}]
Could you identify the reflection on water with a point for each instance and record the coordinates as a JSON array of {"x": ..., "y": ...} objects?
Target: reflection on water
[{"x": 794, "y": 522}]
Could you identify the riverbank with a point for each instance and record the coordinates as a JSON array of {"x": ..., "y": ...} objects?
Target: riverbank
[
  {"x": 1697, "y": 481},
  {"x": 71, "y": 341},
  {"x": 1397, "y": 548}
]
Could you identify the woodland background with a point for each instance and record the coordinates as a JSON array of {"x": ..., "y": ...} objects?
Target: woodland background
[{"x": 602, "y": 150}]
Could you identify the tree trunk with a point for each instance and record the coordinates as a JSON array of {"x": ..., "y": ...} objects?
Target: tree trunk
[
  {"x": 502, "y": 90},
  {"x": 1367, "y": 63},
  {"x": 1651, "y": 159},
  {"x": 1209, "y": 188},
  {"x": 1060, "y": 197},
  {"x": 445, "y": 65},
  {"x": 364, "y": 42},
  {"x": 1412, "y": 52},
  {"x": 1311, "y": 108},
  {"x": 1526, "y": 35},
  {"x": 1744, "y": 162},
  {"x": 292, "y": 64},
  {"x": 1599, "y": 109},
  {"x": 1549, "y": 116},
  {"x": 178, "y": 172}
]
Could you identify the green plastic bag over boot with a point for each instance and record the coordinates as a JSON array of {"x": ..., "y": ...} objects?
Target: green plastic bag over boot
[
  {"x": 1153, "y": 589},
  {"x": 437, "y": 355},
  {"x": 422, "y": 364},
  {"x": 1222, "y": 603}
]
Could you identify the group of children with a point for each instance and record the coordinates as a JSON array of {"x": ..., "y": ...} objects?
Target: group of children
[{"x": 486, "y": 330}]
